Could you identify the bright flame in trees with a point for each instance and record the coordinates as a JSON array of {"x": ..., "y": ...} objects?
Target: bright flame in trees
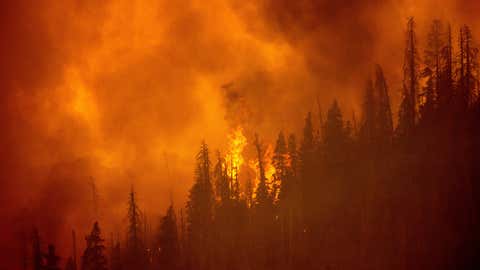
[
  {"x": 267, "y": 159},
  {"x": 234, "y": 159},
  {"x": 267, "y": 165}
]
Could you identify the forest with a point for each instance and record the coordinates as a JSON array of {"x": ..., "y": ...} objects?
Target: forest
[{"x": 391, "y": 190}]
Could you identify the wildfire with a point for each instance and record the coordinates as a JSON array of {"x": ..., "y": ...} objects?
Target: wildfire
[
  {"x": 234, "y": 158},
  {"x": 267, "y": 158},
  {"x": 267, "y": 164}
]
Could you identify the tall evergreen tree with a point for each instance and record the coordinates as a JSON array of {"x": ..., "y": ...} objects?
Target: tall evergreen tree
[
  {"x": 335, "y": 136},
  {"x": 168, "y": 241},
  {"x": 222, "y": 183},
  {"x": 307, "y": 158},
  {"x": 93, "y": 257},
  {"x": 249, "y": 191},
  {"x": 289, "y": 197},
  {"x": 467, "y": 69},
  {"x": 428, "y": 106},
  {"x": 384, "y": 120},
  {"x": 292, "y": 154},
  {"x": 263, "y": 214},
  {"x": 368, "y": 129},
  {"x": 262, "y": 193},
  {"x": 289, "y": 191},
  {"x": 307, "y": 173},
  {"x": 200, "y": 211},
  {"x": 408, "y": 106},
  {"x": 308, "y": 143},
  {"x": 135, "y": 256},
  {"x": 432, "y": 72},
  {"x": 134, "y": 225},
  {"x": 446, "y": 87},
  {"x": 280, "y": 163}
]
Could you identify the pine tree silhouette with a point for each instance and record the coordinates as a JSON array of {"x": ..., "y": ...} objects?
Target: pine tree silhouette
[
  {"x": 135, "y": 256},
  {"x": 307, "y": 173},
  {"x": 262, "y": 192},
  {"x": 335, "y": 136},
  {"x": 432, "y": 73},
  {"x": 168, "y": 245},
  {"x": 93, "y": 257},
  {"x": 280, "y": 163},
  {"x": 408, "y": 106},
  {"x": 467, "y": 69},
  {"x": 446, "y": 89},
  {"x": 384, "y": 120},
  {"x": 200, "y": 212},
  {"x": 368, "y": 130}
]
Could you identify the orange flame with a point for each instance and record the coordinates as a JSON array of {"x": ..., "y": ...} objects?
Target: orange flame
[
  {"x": 267, "y": 159},
  {"x": 268, "y": 166},
  {"x": 234, "y": 158}
]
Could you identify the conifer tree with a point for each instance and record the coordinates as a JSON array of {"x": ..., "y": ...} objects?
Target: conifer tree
[
  {"x": 292, "y": 154},
  {"x": 134, "y": 226},
  {"x": 289, "y": 196},
  {"x": 289, "y": 201},
  {"x": 168, "y": 241},
  {"x": 432, "y": 72},
  {"x": 467, "y": 69},
  {"x": 200, "y": 211},
  {"x": 306, "y": 156},
  {"x": 262, "y": 196},
  {"x": 308, "y": 143},
  {"x": 262, "y": 214},
  {"x": 368, "y": 129},
  {"x": 93, "y": 257},
  {"x": 384, "y": 120},
  {"x": 279, "y": 160},
  {"x": 334, "y": 131},
  {"x": 222, "y": 185},
  {"x": 446, "y": 88},
  {"x": 407, "y": 112},
  {"x": 427, "y": 108},
  {"x": 280, "y": 156},
  {"x": 135, "y": 256},
  {"x": 249, "y": 191},
  {"x": 307, "y": 173}
]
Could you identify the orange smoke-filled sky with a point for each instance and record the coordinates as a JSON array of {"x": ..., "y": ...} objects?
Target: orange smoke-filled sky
[{"x": 123, "y": 92}]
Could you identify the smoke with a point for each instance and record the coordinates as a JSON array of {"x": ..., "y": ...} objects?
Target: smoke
[{"x": 124, "y": 91}]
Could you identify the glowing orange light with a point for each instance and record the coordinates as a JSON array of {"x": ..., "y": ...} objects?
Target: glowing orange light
[
  {"x": 267, "y": 165},
  {"x": 267, "y": 159},
  {"x": 234, "y": 158}
]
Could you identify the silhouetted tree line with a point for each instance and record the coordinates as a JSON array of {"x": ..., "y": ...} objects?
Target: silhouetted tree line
[{"x": 367, "y": 195}]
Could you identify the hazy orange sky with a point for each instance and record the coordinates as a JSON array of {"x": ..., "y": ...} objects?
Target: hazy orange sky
[{"x": 123, "y": 92}]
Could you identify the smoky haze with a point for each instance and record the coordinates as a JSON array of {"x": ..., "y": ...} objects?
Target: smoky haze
[{"x": 122, "y": 93}]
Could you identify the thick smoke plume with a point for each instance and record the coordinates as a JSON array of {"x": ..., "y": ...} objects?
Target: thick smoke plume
[{"x": 123, "y": 92}]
